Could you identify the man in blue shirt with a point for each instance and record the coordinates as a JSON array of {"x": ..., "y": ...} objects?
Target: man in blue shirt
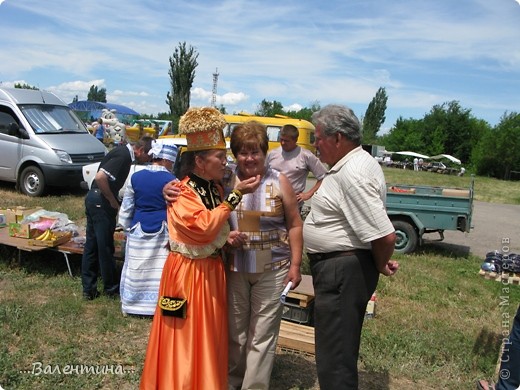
[{"x": 100, "y": 131}]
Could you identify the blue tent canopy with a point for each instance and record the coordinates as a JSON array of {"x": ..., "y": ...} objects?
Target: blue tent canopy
[{"x": 93, "y": 109}]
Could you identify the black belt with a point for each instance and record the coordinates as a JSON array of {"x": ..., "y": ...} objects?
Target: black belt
[{"x": 330, "y": 255}]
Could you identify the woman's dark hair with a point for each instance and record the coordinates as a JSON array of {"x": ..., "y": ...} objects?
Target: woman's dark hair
[{"x": 187, "y": 163}]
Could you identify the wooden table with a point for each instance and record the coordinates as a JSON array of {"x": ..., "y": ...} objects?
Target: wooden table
[{"x": 22, "y": 244}]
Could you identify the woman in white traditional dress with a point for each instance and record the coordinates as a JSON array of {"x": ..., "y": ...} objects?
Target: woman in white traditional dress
[{"x": 143, "y": 216}]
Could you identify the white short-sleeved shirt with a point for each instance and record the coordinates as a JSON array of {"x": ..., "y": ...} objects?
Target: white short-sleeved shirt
[
  {"x": 348, "y": 210},
  {"x": 296, "y": 165}
]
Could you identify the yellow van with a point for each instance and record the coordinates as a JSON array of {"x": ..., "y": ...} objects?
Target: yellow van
[
  {"x": 141, "y": 128},
  {"x": 274, "y": 125}
]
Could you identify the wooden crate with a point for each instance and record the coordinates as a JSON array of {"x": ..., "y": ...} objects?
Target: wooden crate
[
  {"x": 503, "y": 277},
  {"x": 296, "y": 337},
  {"x": 302, "y": 295},
  {"x": 61, "y": 239},
  {"x": 299, "y": 299}
]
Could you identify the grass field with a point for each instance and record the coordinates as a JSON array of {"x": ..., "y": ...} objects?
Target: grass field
[{"x": 438, "y": 324}]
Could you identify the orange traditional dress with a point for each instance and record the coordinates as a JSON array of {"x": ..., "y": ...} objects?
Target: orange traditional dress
[{"x": 192, "y": 352}]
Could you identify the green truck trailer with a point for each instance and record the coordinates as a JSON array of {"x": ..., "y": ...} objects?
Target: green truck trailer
[{"x": 417, "y": 210}]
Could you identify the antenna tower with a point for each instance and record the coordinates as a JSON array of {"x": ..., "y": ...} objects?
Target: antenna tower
[{"x": 214, "y": 95}]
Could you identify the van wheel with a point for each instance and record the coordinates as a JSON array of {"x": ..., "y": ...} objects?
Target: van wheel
[
  {"x": 406, "y": 237},
  {"x": 32, "y": 181}
]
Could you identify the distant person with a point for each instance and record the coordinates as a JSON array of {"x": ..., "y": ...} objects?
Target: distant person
[
  {"x": 100, "y": 130},
  {"x": 421, "y": 162},
  {"x": 415, "y": 164},
  {"x": 101, "y": 207},
  {"x": 462, "y": 171},
  {"x": 143, "y": 217},
  {"x": 349, "y": 240},
  {"x": 295, "y": 163},
  {"x": 509, "y": 374}
]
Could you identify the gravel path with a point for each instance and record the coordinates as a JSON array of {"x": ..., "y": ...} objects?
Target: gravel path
[{"x": 495, "y": 227}]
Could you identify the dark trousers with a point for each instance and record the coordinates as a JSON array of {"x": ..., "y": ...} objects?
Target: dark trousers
[
  {"x": 509, "y": 374},
  {"x": 98, "y": 253},
  {"x": 342, "y": 287}
]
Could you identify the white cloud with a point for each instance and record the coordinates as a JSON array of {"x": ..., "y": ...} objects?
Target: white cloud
[
  {"x": 293, "y": 107},
  {"x": 201, "y": 95},
  {"x": 423, "y": 53},
  {"x": 232, "y": 99}
]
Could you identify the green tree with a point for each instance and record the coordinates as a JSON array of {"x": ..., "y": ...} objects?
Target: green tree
[
  {"x": 406, "y": 134},
  {"x": 96, "y": 94},
  {"x": 24, "y": 86},
  {"x": 164, "y": 116},
  {"x": 448, "y": 128},
  {"x": 305, "y": 113},
  {"x": 497, "y": 153},
  {"x": 183, "y": 63},
  {"x": 267, "y": 108},
  {"x": 374, "y": 116}
]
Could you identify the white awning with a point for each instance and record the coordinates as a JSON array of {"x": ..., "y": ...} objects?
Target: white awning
[
  {"x": 413, "y": 154},
  {"x": 449, "y": 157}
]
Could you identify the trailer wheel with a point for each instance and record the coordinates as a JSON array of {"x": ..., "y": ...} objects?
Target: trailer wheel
[
  {"x": 32, "y": 181},
  {"x": 407, "y": 237}
]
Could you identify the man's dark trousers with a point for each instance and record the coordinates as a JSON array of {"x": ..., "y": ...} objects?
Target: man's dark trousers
[
  {"x": 98, "y": 253},
  {"x": 342, "y": 287}
]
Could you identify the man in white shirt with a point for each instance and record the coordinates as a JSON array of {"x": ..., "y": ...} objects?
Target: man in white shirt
[
  {"x": 349, "y": 240},
  {"x": 295, "y": 163}
]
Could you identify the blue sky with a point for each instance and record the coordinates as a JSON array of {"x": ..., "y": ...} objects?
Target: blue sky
[{"x": 297, "y": 52}]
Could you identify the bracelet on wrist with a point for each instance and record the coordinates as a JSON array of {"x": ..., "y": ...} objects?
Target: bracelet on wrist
[{"x": 233, "y": 199}]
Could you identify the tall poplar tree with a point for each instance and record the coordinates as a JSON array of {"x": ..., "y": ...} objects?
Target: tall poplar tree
[
  {"x": 96, "y": 94},
  {"x": 182, "y": 74},
  {"x": 374, "y": 116}
]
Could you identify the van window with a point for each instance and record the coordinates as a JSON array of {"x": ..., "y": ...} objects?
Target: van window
[
  {"x": 228, "y": 130},
  {"x": 52, "y": 119},
  {"x": 312, "y": 138},
  {"x": 6, "y": 118},
  {"x": 273, "y": 133}
]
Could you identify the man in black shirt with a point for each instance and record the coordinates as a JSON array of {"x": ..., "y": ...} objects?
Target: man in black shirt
[{"x": 101, "y": 207}]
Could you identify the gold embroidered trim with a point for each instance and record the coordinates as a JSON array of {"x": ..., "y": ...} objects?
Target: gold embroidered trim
[
  {"x": 233, "y": 199},
  {"x": 171, "y": 304},
  {"x": 201, "y": 251}
]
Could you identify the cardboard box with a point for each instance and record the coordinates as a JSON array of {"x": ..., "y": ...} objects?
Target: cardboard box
[
  {"x": 370, "y": 311},
  {"x": 22, "y": 230},
  {"x": 119, "y": 244},
  {"x": 17, "y": 214}
]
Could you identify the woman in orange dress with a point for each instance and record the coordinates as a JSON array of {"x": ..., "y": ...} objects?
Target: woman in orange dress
[{"x": 188, "y": 344}]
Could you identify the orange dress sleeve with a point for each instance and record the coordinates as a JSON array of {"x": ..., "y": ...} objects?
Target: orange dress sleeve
[{"x": 196, "y": 231}]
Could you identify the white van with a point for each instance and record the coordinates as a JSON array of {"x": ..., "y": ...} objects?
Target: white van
[{"x": 42, "y": 142}]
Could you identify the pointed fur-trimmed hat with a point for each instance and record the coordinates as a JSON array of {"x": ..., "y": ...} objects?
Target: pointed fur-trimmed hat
[{"x": 203, "y": 128}]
